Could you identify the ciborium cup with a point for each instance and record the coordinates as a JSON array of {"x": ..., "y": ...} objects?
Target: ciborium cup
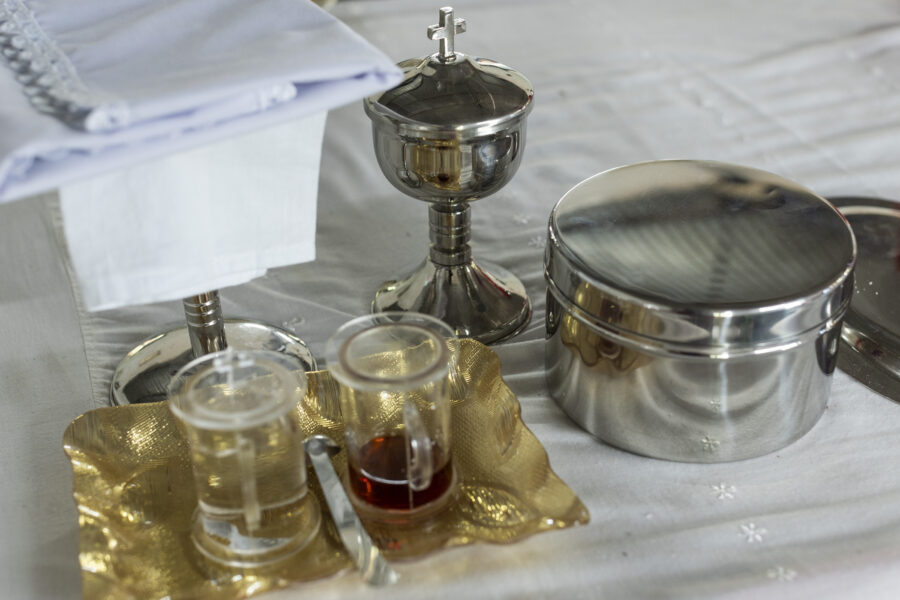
[{"x": 451, "y": 133}]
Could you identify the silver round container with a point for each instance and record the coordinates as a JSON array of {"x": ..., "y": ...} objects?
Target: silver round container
[{"x": 694, "y": 308}]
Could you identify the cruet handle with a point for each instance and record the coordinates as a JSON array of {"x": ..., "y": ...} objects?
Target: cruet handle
[
  {"x": 246, "y": 455},
  {"x": 419, "y": 464}
]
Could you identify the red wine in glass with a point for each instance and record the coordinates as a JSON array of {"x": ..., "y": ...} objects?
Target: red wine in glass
[{"x": 380, "y": 478}]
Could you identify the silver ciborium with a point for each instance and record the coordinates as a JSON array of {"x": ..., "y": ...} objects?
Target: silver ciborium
[{"x": 452, "y": 132}]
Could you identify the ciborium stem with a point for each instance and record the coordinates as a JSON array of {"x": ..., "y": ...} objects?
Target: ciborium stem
[{"x": 449, "y": 231}]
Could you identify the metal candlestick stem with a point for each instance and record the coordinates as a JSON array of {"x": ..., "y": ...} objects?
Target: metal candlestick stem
[
  {"x": 451, "y": 133},
  {"x": 145, "y": 372},
  {"x": 205, "y": 324}
]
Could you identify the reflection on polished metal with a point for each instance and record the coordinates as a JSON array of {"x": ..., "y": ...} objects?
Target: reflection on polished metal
[
  {"x": 453, "y": 132},
  {"x": 694, "y": 308},
  {"x": 474, "y": 298},
  {"x": 145, "y": 372},
  {"x": 871, "y": 332},
  {"x": 372, "y": 565}
]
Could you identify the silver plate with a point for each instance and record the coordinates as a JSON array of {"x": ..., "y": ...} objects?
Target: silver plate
[
  {"x": 144, "y": 374},
  {"x": 871, "y": 333}
]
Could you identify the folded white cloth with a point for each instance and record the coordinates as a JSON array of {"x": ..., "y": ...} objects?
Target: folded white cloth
[
  {"x": 184, "y": 135},
  {"x": 94, "y": 85},
  {"x": 196, "y": 220}
]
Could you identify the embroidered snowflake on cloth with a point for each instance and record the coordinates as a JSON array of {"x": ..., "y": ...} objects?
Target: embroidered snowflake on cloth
[
  {"x": 723, "y": 491},
  {"x": 752, "y": 533},
  {"x": 293, "y": 324},
  {"x": 780, "y": 573},
  {"x": 709, "y": 444}
]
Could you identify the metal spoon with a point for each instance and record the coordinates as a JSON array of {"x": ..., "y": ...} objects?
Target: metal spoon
[{"x": 373, "y": 567}]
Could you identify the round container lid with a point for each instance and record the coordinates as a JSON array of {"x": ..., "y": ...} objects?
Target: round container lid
[
  {"x": 451, "y": 92},
  {"x": 700, "y": 257}
]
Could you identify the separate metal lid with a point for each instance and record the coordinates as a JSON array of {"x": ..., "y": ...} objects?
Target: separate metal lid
[
  {"x": 453, "y": 93},
  {"x": 871, "y": 331},
  {"x": 700, "y": 258}
]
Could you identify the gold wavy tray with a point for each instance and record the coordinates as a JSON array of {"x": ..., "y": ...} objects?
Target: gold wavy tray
[{"x": 135, "y": 494}]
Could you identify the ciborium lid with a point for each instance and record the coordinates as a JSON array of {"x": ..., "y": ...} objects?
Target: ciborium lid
[{"x": 452, "y": 92}]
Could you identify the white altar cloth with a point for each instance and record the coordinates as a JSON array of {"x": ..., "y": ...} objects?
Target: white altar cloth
[{"x": 807, "y": 89}]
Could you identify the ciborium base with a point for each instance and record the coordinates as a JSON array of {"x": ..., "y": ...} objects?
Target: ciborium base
[
  {"x": 484, "y": 302},
  {"x": 145, "y": 372}
]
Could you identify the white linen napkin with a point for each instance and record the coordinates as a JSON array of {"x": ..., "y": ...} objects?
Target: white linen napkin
[
  {"x": 93, "y": 86},
  {"x": 196, "y": 220}
]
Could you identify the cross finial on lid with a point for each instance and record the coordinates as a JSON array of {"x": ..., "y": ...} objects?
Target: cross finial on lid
[{"x": 446, "y": 31}]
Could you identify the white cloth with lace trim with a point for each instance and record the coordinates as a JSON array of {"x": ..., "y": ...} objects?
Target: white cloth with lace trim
[{"x": 144, "y": 105}]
